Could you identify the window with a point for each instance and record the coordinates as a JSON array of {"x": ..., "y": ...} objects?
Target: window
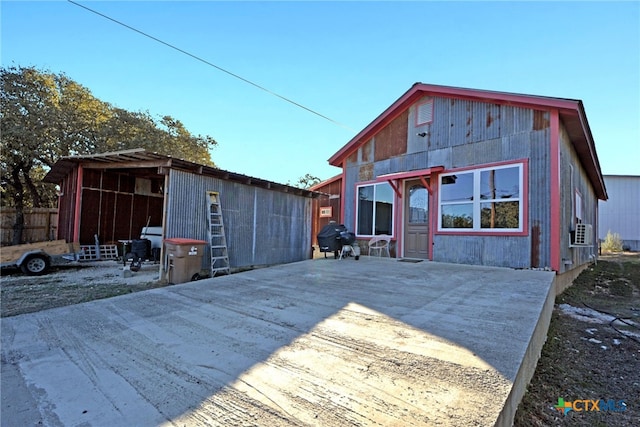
[
  {"x": 485, "y": 200},
  {"x": 374, "y": 211},
  {"x": 578, "y": 203}
]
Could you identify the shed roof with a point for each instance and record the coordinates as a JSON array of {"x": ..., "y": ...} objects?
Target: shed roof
[
  {"x": 571, "y": 113},
  {"x": 141, "y": 158}
]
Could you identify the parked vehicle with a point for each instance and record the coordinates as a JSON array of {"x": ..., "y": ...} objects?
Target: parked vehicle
[{"x": 36, "y": 258}]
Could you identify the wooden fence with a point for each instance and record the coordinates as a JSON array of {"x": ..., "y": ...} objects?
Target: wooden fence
[{"x": 40, "y": 224}]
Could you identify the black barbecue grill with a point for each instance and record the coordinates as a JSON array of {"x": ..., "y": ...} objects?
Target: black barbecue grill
[{"x": 337, "y": 239}]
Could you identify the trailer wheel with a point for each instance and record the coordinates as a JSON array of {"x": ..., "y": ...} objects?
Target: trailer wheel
[{"x": 35, "y": 265}]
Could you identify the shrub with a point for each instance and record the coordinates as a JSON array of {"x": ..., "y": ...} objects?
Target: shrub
[{"x": 612, "y": 242}]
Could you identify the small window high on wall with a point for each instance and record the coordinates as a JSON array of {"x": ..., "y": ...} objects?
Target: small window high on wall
[
  {"x": 374, "y": 210},
  {"x": 487, "y": 199}
]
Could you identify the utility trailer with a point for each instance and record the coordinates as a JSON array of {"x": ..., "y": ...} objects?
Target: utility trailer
[{"x": 36, "y": 258}]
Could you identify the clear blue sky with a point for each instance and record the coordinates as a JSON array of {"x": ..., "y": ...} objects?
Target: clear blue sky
[{"x": 346, "y": 60}]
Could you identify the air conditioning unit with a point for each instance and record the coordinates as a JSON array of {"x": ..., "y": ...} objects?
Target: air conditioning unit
[{"x": 583, "y": 235}]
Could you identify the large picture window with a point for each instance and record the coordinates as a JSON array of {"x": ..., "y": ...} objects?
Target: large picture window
[
  {"x": 486, "y": 200},
  {"x": 374, "y": 211}
]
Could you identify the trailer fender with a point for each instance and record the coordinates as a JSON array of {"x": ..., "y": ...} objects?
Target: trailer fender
[{"x": 34, "y": 262}]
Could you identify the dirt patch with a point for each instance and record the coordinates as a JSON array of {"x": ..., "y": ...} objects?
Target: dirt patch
[
  {"x": 592, "y": 351},
  {"x": 73, "y": 284}
]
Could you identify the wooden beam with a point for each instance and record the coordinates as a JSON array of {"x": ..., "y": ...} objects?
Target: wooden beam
[
  {"x": 395, "y": 188},
  {"x": 426, "y": 184},
  {"x": 127, "y": 164}
]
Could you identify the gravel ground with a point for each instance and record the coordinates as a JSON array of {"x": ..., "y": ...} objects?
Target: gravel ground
[{"x": 71, "y": 284}]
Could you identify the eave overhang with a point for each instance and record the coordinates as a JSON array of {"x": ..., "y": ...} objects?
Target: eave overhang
[{"x": 141, "y": 158}]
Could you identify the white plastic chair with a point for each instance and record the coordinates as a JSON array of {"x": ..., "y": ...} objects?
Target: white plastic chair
[{"x": 379, "y": 245}]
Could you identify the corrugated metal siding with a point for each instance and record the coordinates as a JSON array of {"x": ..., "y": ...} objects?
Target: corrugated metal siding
[
  {"x": 263, "y": 227},
  {"x": 539, "y": 195},
  {"x": 573, "y": 257},
  {"x": 620, "y": 213},
  {"x": 498, "y": 251},
  {"x": 351, "y": 179}
]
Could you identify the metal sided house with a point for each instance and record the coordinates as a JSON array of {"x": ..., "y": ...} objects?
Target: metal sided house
[
  {"x": 476, "y": 177},
  {"x": 116, "y": 195}
]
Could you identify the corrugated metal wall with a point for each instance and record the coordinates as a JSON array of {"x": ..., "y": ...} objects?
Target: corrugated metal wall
[
  {"x": 263, "y": 226},
  {"x": 573, "y": 175},
  {"x": 466, "y": 133},
  {"x": 620, "y": 213}
]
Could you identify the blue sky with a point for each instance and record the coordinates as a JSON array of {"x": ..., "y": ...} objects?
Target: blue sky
[{"x": 346, "y": 60}]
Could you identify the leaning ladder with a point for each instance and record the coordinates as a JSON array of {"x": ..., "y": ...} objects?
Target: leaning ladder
[{"x": 217, "y": 238}]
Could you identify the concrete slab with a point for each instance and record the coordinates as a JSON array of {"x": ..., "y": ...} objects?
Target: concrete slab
[{"x": 321, "y": 342}]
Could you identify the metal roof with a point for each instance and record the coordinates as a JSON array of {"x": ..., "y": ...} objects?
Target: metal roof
[{"x": 141, "y": 158}]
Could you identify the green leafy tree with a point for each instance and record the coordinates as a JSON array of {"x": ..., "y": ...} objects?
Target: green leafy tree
[
  {"x": 307, "y": 181},
  {"x": 45, "y": 116}
]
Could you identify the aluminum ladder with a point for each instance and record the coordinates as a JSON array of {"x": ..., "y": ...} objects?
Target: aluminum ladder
[{"x": 217, "y": 238}]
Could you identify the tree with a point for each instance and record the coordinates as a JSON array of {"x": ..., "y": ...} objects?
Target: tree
[
  {"x": 45, "y": 116},
  {"x": 307, "y": 181}
]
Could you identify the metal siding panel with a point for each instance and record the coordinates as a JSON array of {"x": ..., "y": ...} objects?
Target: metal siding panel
[
  {"x": 478, "y": 120},
  {"x": 539, "y": 200},
  {"x": 187, "y": 217},
  {"x": 576, "y": 255},
  {"x": 440, "y": 127},
  {"x": 457, "y": 123},
  {"x": 492, "y": 121},
  {"x": 619, "y": 214},
  {"x": 381, "y": 168},
  {"x": 351, "y": 178},
  {"x": 496, "y": 251}
]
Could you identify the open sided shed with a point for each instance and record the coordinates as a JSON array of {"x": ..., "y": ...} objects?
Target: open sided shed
[{"x": 114, "y": 195}]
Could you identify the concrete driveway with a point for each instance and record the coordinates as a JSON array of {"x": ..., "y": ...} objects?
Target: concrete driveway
[{"x": 322, "y": 342}]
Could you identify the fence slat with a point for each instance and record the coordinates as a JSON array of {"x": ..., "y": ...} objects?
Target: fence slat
[{"x": 40, "y": 224}]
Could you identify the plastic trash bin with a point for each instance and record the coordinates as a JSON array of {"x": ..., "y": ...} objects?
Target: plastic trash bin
[{"x": 184, "y": 259}]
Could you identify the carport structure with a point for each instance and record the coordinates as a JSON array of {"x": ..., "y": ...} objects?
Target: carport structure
[
  {"x": 318, "y": 342},
  {"x": 115, "y": 195}
]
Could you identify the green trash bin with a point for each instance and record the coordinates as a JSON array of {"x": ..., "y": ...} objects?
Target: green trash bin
[{"x": 184, "y": 259}]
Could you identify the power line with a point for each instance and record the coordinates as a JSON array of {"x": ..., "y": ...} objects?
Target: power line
[{"x": 212, "y": 65}]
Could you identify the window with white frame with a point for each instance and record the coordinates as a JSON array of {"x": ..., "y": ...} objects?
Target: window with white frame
[
  {"x": 374, "y": 210},
  {"x": 486, "y": 199}
]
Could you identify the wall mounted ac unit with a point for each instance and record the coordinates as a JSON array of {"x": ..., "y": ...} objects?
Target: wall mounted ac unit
[{"x": 583, "y": 235}]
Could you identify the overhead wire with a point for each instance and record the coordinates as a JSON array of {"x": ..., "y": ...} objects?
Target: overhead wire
[{"x": 196, "y": 57}]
